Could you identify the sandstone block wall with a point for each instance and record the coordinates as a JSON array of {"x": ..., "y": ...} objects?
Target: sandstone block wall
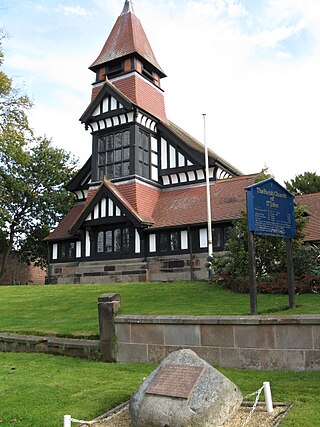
[{"x": 253, "y": 342}]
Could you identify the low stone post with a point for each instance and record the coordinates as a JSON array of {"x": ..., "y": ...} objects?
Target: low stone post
[{"x": 108, "y": 307}]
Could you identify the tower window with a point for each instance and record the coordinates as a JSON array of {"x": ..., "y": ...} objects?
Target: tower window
[
  {"x": 114, "y": 155},
  {"x": 114, "y": 70}
]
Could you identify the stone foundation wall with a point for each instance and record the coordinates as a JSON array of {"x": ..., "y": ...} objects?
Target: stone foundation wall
[
  {"x": 162, "y": 269},
  {"x": 253, "y": 342},
  {"x": 86, "y": 349}
]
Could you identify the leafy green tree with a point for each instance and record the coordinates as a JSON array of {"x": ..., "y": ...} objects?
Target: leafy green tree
[
  {"x": 32, "y": 177},
  {"x": 306, "y": 183},
  {"x": 33, "y": 197}
]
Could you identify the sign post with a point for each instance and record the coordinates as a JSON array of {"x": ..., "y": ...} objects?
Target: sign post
[{"x": 270, "y": 213}]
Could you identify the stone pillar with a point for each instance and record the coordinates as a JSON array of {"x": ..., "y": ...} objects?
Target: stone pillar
[{"x": 108, "y": 307}]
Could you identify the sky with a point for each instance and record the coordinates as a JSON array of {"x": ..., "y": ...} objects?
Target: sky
[{"x": 252, "y": 66}]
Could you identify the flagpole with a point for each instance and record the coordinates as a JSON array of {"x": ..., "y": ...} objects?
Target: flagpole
[{"x": 210, "y": 248}]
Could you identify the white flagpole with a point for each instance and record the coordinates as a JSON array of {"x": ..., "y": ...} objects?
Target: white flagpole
[{"x": 210, "y": 248}]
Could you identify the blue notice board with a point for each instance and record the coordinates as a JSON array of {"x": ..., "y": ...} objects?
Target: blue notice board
[{"x": 271, "y": 209}]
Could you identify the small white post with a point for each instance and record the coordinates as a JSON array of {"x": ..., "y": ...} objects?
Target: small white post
[
  {"x": 67, "y": 421},
  {"x": 268, "y": 397}
]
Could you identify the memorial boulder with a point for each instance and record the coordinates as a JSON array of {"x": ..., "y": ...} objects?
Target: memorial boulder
[{"x": 184, "y": 391}]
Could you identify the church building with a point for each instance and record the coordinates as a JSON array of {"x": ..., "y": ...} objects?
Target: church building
[{"x": 140, "y": 213}]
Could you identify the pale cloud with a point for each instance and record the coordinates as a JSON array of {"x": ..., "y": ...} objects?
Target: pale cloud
[
  {"x": 259, "y": 107},
  {"x": 72, "y": 10},
  {"x": 41, "y": 8},
  {"x": 272, "y": 38}
]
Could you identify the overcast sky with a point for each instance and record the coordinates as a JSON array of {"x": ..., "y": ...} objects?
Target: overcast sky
[{"x": 252, "y": 66}]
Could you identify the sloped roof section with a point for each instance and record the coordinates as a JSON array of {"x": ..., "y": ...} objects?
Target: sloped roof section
[
  {"x": 127, "y": 37},
  {"x": 184, "y": 206},
  {"x": 71, "y": 223},
  {"x": 63, "y": 229},
  {"x": 312, "y": 203},
  {"x": 198, "y": 146}
]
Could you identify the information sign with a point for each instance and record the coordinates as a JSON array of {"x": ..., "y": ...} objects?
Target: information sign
[{"x": 270, "y": 210}]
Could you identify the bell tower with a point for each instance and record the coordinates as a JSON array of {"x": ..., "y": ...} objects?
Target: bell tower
[{"x": 126, "y": 51}]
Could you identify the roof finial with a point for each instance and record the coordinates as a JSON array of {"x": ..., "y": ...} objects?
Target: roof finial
[{"x": 128, "y": 7}]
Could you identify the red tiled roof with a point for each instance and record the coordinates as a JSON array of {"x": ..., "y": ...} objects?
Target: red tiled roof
[
  {"x": 62, "y": 230},
  {"x": 312, "y": 203},
  {"x": 140, "y": 215},
  {"x": 143, "y": 94},
  {"x": 126, "y": 37},
  {"x": 185, "y": 206},
  {"x": 142, "y": 197},
  {"x": 168, "y": 208}
]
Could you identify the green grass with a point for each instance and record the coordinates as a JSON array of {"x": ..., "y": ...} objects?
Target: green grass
[
  {"x": 71, "y": 310},
  {"x": 36, "y": 390}
]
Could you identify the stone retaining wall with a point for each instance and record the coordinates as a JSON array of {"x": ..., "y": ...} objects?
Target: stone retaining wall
[
  {"x": 252, "y": 342},
  {"x": 88, "y": 349}
]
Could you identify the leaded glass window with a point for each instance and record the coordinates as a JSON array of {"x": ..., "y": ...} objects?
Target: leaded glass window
[
  {"x": 115, "y": 240},
  {"x": 114, "y": 155},
  {"x": 143, "y": 154},
  {"x": 174, "y": 241}
]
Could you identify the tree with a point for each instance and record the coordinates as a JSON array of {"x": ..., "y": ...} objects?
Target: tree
[
  {"x": 32, "y": 177},
  {"x": 33, "y": 197},
  {"x": 306, "y": 183}
]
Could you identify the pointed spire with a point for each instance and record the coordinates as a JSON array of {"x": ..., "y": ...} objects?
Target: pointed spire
[{"x": 128, "y": 7}]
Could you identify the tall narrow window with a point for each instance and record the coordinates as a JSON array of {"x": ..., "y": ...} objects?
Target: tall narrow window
[
  {"x": 163, "y": 242},
  {"x": 143, "y": 154},
  {"x": 117, "y": 240},
  {"x": 109, "y": 246},
  {"x": 174, "y": 241},
  {"x": 125, "y": 240},
  {"x": 100, "y": 242}
]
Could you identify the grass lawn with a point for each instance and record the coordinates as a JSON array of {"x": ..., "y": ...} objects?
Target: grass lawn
[
  {"x": 71, "y": 310},
  {"x": 36, "y": 390}
]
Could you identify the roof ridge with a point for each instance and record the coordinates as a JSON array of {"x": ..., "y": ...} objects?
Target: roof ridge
[
  {"x": 175, "y": 128},
  {"x": 309, "y": 194}
]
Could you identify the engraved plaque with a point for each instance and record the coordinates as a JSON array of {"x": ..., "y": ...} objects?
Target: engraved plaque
[{"x": 175, "y": 380}]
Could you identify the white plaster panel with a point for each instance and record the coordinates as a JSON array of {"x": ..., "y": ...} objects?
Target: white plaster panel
[
  {"x": 87, "y": 244},
  {"x": 113, "y": 103},
  {"x": 191, "y": 176},
  {"x": 164, "y": 153},
  {"x": 96, "y": 111},
  {"x": 152, "y": 243},
  {"x": 105, "y": 105},
  {"x": 137, "y": 242},
  {"x": 55, "y": 251},
  {"x": 174, "y": 178},
  {"x": 165, "y": 180},
  {"x": 184, "y": 239},
  {"x": 110, "y": 208},
  {"x": 78, "y": 249},
  {"x": 181, "y": 160},
  {"x": 96, "y": 211},
  {"x": 172, "y": 155},
  {"x": 103, "y": 207},
  {"x": 183, "y": 177},
  {"x": 154, "y": 144},
  {"x": 200, "y": 174},
  {"x": 203, "y": 237}
]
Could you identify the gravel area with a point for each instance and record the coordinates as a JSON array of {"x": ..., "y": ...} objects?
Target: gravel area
[{"x": 259, "y": 418}]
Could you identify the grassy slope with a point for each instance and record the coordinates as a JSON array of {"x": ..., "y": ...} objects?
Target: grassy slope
[
  {"x": 36, "y": 390},
  {"x": 72, "y": 309}
]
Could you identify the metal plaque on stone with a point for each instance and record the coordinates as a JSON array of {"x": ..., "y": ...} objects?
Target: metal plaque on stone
[{"x": 175, "y": 381}]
